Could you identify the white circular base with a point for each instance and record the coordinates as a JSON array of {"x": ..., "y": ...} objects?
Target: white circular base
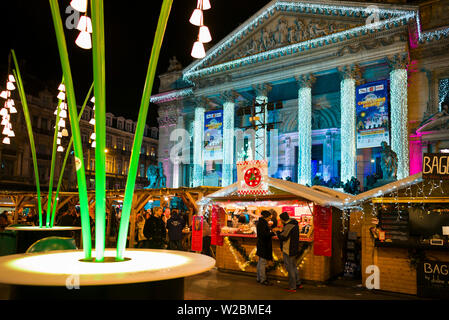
[{"x": 60, "y": 268}]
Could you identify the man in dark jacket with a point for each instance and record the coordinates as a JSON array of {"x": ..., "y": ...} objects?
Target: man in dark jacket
[
  {"x": 264, "y": 247},
  {"x": 174, "y": 227},
  {"x": 289, "y": 238},
  {"x": 154, "y": 230}
]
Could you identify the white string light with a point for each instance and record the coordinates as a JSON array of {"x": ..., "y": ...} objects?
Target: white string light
[
  {"x": 7, "y": 110},
  {"x": 84, "y": 25},
  {"x": 92, "y": 122},
  {"x": 197, "y": 19}
]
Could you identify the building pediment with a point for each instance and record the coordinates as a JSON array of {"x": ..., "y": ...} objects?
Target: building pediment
[{"x": 287, "y": 27}]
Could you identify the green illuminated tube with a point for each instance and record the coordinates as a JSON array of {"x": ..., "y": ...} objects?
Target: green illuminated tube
[
  {"x": 26, "y": 114},
  {"x": 98, "y": 54},
  {"x": 69, "y": 147},
  {"x": 52, "y": 166},
  {"x": 73, "y": 115},
  {"x": 135, "y": 153}
]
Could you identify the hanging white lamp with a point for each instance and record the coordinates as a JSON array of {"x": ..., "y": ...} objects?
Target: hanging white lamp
[
  {"x": 79, "y": 5},
  {"x": 204, "y": 35},
  {"x": 196, "y": 18},
  {"x": 198, "y": 50},
  {"x": 83, "y": 40}
]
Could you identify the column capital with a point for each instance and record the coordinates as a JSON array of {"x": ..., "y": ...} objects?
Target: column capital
[
  {"x": 262, "y": 89},
  {"x": 399, "y": 61},
  {"x": 351, "y": 71},
  {"x": 229, "y": 96},
  {"x": 305, "y": 80}
]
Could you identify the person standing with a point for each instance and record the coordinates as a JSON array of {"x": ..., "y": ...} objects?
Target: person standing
[
  {"x": 154, "y": 230},
  {"x": 140, "y": 223},
  {"x": 289, "y": 240},
  {"x": 264, "y": 247},
  {"x": 174, "y": 228},
  {"x": 206, "y": 236}
]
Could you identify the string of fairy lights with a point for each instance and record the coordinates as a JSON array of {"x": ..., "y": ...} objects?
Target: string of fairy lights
[
  {"x": 84, "y": 25},
  {"x": 197, "y": 19},
  {"x": 7, "y": 110},
  {"x": 92, "y": 122},
  {"x": 62, "y": 109}
]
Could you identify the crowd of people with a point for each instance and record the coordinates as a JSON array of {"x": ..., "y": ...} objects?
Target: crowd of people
[{"x": 165, "y": 228}]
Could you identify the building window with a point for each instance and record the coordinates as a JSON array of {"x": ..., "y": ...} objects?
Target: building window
[
  {"x": 142, "y": 170},
  {"x": 127, "y": 145},
  {"x": 108, "y": 141},
  {"x": 153, "y": 152},
  {"x": 119, "y": 144},
  {"x": 109, "y": 121},
  {"x": 119, "y": 167},
  {"x": 109, "y": 165},
  {"x": 44, "y": 124},
  {"x": 120, "y": 124}
]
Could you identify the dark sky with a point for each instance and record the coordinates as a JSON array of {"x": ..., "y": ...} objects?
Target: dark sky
[{"x": 130, "y": 26}]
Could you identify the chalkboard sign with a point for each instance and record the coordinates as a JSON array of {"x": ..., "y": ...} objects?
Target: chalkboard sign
[
  {"x": 435, "y": 166},
  {"x": 433, "y": 279}
]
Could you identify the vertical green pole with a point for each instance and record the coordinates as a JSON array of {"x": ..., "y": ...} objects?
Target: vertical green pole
[
  {"x": 135, "y": 153},
  {"x": 52, "y": 166},
  {"x": 67, "y": 153},
  {"x": 98, "y": 54},
  {"x": 26, "y": 114},
  {"x": 73, "y": 114}
]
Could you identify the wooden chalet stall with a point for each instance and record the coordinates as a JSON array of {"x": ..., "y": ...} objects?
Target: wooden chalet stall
[
  {"x": 318, "y": 214},
  {"x": 404, "y": 231}
]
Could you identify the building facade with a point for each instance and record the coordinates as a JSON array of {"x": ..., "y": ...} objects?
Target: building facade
[
  {"x": 301, "y": 67},
  {"x": 16, "y": 164}
]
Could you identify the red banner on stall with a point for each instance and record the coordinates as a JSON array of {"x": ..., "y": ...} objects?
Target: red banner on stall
[
  {"x": 322, "y": 221},
  {"x": 197, "y": 233},
  {"x": 218, "y": 218}
]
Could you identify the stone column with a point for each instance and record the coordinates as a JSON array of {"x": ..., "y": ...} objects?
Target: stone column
[
  {"x": 177, "y": 160},
  {"x": 350, "y": 74},
  {"x": 260, "y": 143},
  {"x": 228, "y": 137},
  {"x": 399, "y": 112},
  {"x": 305, "y": 83},
  {"x": 198, "y": 144}
]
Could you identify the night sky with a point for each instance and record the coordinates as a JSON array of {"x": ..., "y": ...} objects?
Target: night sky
[{"x": 130, "y": 26}]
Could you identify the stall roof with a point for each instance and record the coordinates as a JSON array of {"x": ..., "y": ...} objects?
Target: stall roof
[
  {"x": 380, "y": 191},
  {"x": 280, "y": 188}
]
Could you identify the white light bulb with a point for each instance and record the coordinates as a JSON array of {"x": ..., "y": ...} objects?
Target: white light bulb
[
  {"x": 92, "y": 100},
  {"x": 198, "y": 50},
  {"x": 61, "y": 95},
  {"x": 10, "y": 103},
  {"x": 206, "y": 4},
  {"x": 92, "y": 121},
  {"x": 61, "y": 123},
  {"x": 64, "y": 132},
  {"x": 6, "y": 140},
  {"x": 196, "y": 18},
  {"x": 60, "y": 149},
  {"x": 11, "y": 78},
  {"x": 11, "y": 133},
  {"x": 10, "y": 85},
  {"x": 58, "y": 141},
  {"x": 92, "y": 136},
  {"x": 93, "y": 144},
  {"x": 85, "y": 24},
  {"x": 63, "y": 114},
  {"x": 61, "y": 87},
  {"x": 204, "y": 35},
  {"x": 5, "y": 94},
  {"x": 59, "y": 134},
  {"x": 12, "y": 109},
  {"x": 83, "y": 40},
  {"x": 5, "y": 130},
  {"x": 79, "y": 5},
  {"x": 3, "y": 112}
]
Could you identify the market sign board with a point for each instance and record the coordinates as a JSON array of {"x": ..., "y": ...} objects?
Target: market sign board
[
  {"x": 372, "y": 121},
  {"x": 213, "y": 135},
  {"x": 252, "y": 177},
  {"x": 433, "y": 279},
  {"x": 435, "y": 166}
]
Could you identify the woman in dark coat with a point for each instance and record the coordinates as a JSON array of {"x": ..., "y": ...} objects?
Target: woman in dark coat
[{"x": 264, "y": 247}]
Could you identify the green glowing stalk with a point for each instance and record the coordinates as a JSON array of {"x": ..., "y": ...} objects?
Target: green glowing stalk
[
  {"x": 52, "y": 166},
  {"x": 74, "y": 125},
  {"x": 98, "y": 54},
  {"x": 26, "y": 114},
  {"x": 135, "y": 154},
  {"x": 69, "y": 148}
]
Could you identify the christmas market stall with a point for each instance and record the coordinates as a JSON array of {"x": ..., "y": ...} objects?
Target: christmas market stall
[
  {"x": 234, "y": 211},
  {"x": 404, "y": 228}
]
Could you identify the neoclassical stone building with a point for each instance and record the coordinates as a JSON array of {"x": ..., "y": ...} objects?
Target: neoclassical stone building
[{"x": 301, "y": 65}]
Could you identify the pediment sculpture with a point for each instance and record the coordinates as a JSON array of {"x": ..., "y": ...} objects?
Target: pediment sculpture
[{"x": 285, "y": 31}]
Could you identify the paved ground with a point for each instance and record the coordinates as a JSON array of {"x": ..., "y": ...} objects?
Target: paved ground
[{"x": 216, "y": 285}]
